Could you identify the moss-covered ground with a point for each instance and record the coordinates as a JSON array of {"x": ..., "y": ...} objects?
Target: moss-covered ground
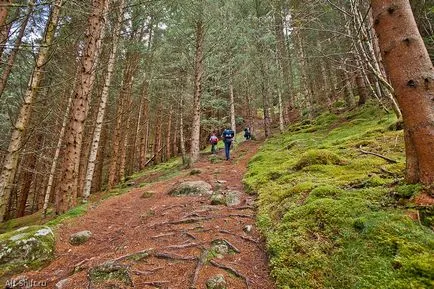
[{"x": 334, "y": 217}]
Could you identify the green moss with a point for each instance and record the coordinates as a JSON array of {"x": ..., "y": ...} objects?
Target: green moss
[
  {"x": 318, "y": 157},
  {"x": 72, "y": 213},
  {"x": 147, "y": 195},
  {"x": 329, "y": 213},
  {"x": 407, "y": 191}
]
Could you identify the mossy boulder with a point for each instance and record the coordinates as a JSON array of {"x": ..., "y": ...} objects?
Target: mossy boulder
[
  {"x": 216, "y": 282},
  {"x": 27, "y": 247},
  {"x": 318, "y": 157},
  {"x": 110, "y": 275},
  {"x": 80, "y": 238},
  {"x": 191, "y": 188},
  {"x": 218, "y": 199},
  {"x": 229, "y": 198}
]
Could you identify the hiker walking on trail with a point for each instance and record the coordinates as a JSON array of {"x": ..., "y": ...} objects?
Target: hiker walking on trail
[
  {"x": 213, "y": 140},
  {"x": 247, "y": 134},
  {"x": 228, "y": 136}
]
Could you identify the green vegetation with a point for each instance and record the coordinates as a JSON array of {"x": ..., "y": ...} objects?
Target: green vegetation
[{"x": 336, "y": 218}]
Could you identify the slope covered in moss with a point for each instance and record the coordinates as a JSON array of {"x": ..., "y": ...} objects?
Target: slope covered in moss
[{"x": 334, "y": 217}]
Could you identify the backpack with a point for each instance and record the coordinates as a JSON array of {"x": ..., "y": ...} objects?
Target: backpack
[
  {"x": 228, "y": 134},
  {"x": 213, "y": 139}
]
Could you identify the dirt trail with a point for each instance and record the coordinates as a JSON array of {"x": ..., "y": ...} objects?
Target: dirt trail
[{"x": 128, "y": 224}]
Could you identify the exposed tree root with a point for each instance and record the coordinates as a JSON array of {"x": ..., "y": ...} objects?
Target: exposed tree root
[
  {"x": 231, "y": 270},
  {"x": 188, "y": 245},
  {"x": 377, "y": 155},
  {"x": 240, "y": 236},
  {"x": 156, "y": 283},
  {"x": 201, "y": 261},
  {"x": 170, "y": 256},
  {"x": 147, "y": 272},
  {"x": 235, "y": 249},
  {"x": 162, "y": 235}
]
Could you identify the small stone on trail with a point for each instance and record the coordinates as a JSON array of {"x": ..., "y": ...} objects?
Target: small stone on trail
[
  {"x": 80, "y": 238},
  {"x": 62, "y": 283},
  {"x": 216, "y": 282},
  {"x": 247, "y": 228},
  {"x": 221, "y": 181}
]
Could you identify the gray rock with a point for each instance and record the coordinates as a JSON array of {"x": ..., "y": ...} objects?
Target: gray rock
[
  {"x": 218, "y": 199},
  {"x": 192, "y": 188},
  {"x": 80, "y": 238},
  {"x": 233, "y": 198},
  {"x": 229, "y": 198},
  {"x": 216, "y": 282},
  {"x": 27, "y": 247}
]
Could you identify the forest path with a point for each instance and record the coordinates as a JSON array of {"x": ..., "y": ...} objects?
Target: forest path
[{"x": 164, "y": 241}]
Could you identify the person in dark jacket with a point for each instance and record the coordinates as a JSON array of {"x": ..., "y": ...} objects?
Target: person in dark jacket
[
  {"x": 247, "y": 134},
  {"x": 228, "y": 136}
]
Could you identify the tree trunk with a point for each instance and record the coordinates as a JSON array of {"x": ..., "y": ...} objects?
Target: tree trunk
[
  {"x": 5, "y": 5},
  {"x": 11, "y": 162},
  {"x": 79, "y": 109},
  {"x": 412, "y": 76},
  {"x": 198, "y": 73},
  {"x": 283, "y": 55},
  {"x": 56, "y": 155},
  {"x": 144, "y": 134},
  {"x": 28, "y": 177},
  {"x": 103, "y": 104},
  {"x": 157, "y": 135},
  {"x": 181, "y": 130},
  {"x": 11, "y": 58},
  {"x": 281, "y": 121},
  {"x": 169, "y": 135},
  {"x": 232, "y": 105}
]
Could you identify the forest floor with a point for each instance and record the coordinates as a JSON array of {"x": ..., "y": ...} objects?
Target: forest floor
[{"x": 155, "y": 240}]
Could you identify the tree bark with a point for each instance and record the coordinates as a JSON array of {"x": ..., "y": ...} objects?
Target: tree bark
[
  {"x": 103, "y": 104},
  {"x": 232, "y": 105},
  {"x": 11, "y": 58},
  {"x": 11, "y": 162},
  {"x": 198, "y": 73},
  {"x": 169, "y": 135},
  {"x": 412, "y": 76},
  {"x": 5, "y": 5},
  {"x": 67, "y": 193},
  {"x": 281, "y": 121},
  {"x": 283, "y": 55}
]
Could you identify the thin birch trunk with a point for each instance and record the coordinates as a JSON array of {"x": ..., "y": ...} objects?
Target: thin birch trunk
[{"x": 11, "y": 162}]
